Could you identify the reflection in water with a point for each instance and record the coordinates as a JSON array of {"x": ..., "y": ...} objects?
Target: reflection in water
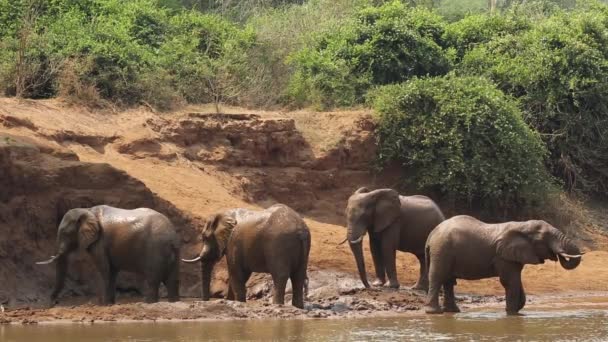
[{"x": 479, "y": 326}]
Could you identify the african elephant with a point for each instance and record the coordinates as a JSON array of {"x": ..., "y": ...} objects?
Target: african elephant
[
  {"x": 466, "y": 248},
  {"x": 395, "y": 223},
  {"x": 141, "y": 240},
  {"x": 275, "y": 241}
]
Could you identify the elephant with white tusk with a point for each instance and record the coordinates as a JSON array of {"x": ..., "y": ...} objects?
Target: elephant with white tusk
[
  {"x": 394, "y": 223},
  {"x": 466, "y": 248},
  {"x": 275, "y": 240},
  {"x": 141, "y": 240}
]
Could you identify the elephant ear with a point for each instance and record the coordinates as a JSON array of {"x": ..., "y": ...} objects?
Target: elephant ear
[
  {"x": 388, "y": 209},
  {"x": 515, "y": 246},
  {"x": 224, "y": 227},
  {"x": 362, "y": 190},
  {"x": 89, "y": 229}
]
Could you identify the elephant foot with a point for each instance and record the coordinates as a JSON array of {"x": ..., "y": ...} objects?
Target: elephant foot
[
  {"x": 419, "y": 287},
  {"x": 378, "y": 282},
  {"x": 393, "y": 284},
  {"x": 431, "y": 309},
  {"x": 514, "y": 313},
  {"x": 451, "y": 308}
]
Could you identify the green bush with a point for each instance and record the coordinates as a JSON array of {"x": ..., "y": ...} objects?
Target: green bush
[
  {"x": 454, "y": 10},
  {"x": 382, "y": 45},
  {"x": 473, "y": 30},
  {"x": 282, "y": 31},
  {"x": 559, "y": 72},
  {"x": 462, "y": 137},
  {"x": 206, "y": 56},
  {"x": 125, "y": 52}
]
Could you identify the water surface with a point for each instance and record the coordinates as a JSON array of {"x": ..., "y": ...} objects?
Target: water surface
[{"x": 550, "y": 325}]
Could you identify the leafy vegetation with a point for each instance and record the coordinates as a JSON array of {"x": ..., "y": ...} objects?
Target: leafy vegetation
[
  {"x": 559, "y": 72},
  {"x": 461, "y": 137},
  {"x": 381, "y": 45}
]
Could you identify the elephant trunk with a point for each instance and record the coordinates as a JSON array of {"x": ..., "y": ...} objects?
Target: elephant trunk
[
  {"x": 206, "y": 271},
  {"x": 355, "y": 236},
  {"x": 60, "y": 275},
  {"x": 568, "y": 253},
  {"x": 357, "y": 249}
]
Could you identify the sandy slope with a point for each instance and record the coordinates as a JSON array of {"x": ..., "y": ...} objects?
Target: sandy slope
[{"x": 199, "y": 188}]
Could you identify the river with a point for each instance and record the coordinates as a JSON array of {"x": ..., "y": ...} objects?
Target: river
[{"x": 550, "y": 325}]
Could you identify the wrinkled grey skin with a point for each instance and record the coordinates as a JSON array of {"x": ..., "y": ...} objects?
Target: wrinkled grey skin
[
  {"x": 142, "y": 241},
  {"x": 275, "y": 241},
  {"x": 394, "y": 223},
  {"x": 466, "y": 248}
]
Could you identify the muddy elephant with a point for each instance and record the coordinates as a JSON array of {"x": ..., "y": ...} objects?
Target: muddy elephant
[
  {"x": 141, "y": 240},
  {"x": 275, "y": 241},
  {"x": 394, "y": 223},
  {"x": 466, "y": 248}
]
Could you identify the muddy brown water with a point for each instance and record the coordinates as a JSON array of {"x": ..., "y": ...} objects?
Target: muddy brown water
[{"x": 551, "y": 325}]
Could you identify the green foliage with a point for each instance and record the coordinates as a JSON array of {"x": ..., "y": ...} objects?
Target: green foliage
[
  {"x": 463, "y": 137},
  {"x": 477, "y": 29},
  {"x": 453, "y": 10},
  {"x": 283, "y": 31},
  {"x": 382, "y": 45},
  {"x": 127, "y": 51},
  {"x": 559, "y": 72}
]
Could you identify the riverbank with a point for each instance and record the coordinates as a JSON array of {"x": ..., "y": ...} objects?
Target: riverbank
[
  {"x": 333, "y": 295},
  {"x": 193, "y": 162}
]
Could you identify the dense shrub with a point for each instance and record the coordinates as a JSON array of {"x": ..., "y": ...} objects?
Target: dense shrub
[
  {"x": 282, "y": 31},
  {"x": 473, "y": 30},
  {"x": 382, "y": 45},
  {"x": 462, "y": 137},
  {"x": 559, "y": 71},
  {"x": 125, "y": 52}
]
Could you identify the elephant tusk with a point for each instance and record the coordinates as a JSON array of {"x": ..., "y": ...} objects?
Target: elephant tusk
[
  {"x": 356, "y": 241},
  {"x": 342, "y": 242},
  {"x": 571, "y": 256},
  {"x": 46, "y": 262},
  {"x": 192, "y": 260}
]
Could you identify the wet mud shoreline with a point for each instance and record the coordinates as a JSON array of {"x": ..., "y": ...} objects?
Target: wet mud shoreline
[{"x": 342, "y": 298}]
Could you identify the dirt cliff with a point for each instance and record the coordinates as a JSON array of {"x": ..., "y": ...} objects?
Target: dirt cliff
[{"x": 190, "y": 163}]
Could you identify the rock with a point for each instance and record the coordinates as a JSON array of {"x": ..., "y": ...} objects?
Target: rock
[
  {"x": 339, "y": 307},
  {"x": 317, "y": 314}
]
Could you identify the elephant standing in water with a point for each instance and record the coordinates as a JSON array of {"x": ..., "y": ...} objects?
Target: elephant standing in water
[
  {"x": 275, "y": 241},
  {"x": 141, "y": 240},
  {"x": 466, "y": 248},
  {"x": 395, "y": 223}
]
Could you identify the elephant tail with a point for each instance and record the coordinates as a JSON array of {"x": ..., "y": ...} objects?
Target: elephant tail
[
  {"x": 427, "y": 258},
  {"x": 305, "y": 252}
]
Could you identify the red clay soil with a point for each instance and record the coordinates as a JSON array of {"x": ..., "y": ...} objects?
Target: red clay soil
[{"x": 190, "y": 163}]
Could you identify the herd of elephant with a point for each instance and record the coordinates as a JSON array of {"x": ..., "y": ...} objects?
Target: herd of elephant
[{"x": 277, "y": 241}]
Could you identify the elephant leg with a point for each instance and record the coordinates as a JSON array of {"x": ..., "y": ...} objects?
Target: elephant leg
[
  {"x": 230, "y": 294},
  {"x": 280, "y": 282},
  {"x": 238, "y": 284},
  {"x": 172, "y": 285},
  {"x": 153, "y": 283},
  {"x": 388, "y": 256},
  {"x": 522, "y": 299},
  {"x": 297, "y": 284},
  {"x": 423, "y": 277},
  {"x": 103, "y": 266},
  {"x": 449, "y": 299},
  {"x": 436, "y": 279},
  {"x": 111, "y": 289},
  {"x": 375, "y": 247},
  {"x": 511, "y": 281}
]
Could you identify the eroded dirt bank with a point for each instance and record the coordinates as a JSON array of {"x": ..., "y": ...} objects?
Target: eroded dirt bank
[{"x": 190, "y": 163}]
